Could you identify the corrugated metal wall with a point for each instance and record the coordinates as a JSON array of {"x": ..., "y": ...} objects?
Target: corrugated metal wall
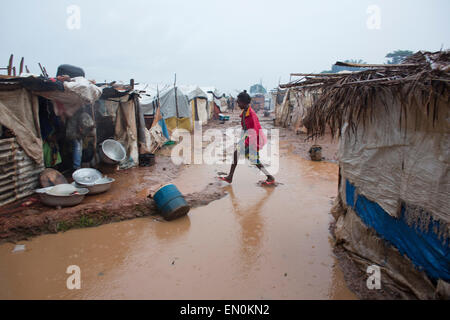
[{"x": 19, "y": 175}]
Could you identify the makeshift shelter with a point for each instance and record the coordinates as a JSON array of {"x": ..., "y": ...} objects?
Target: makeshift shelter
[
  {"x": 115, "y": 110},
  {"x": 22, "y": 147},
  {"x": 393, "y": 203},
  {"x": 199, "y": 104},
  {"x": 35, "y": 112},
  {"x": 217, "y": 102},
  {"x": 21, "y": 156},
  {"x": 292, "y": 110},
  {"x": 119, "y": 117},
  {"x": 277, "y": 98},
  {"x": 173, "y": 103}
]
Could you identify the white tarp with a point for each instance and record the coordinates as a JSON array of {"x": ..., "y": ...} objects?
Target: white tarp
[
  {"x": 193, "y": 93},
  {"x": 77, "y": 92},
  {"x": 202, "y": 110},
  {"x": 388, "y": 165},
  {"x": 148, "y": 94}
]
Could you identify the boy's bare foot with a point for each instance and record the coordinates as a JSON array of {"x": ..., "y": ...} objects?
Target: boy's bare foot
[
  {"x": 269, "y": 182},
  {"x": 226, "y": 179}
]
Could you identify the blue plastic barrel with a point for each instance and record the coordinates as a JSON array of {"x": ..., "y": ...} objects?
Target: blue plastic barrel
[{"x": 170, "y": 202}]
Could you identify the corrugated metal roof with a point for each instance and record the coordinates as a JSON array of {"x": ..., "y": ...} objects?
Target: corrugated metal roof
[{"x": 19, "y": 175}]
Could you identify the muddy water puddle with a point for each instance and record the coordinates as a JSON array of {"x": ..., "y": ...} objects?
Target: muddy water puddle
[{"x": 255, "y": 243}]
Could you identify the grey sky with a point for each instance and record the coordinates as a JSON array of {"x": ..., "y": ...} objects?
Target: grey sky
[{"x": 227, "y": 44}]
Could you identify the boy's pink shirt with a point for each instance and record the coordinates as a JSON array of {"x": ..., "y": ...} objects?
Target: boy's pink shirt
[{"x": 252, "y": 122}]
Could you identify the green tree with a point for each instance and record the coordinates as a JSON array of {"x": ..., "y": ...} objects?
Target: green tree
[{"x": 396, "y": 57}]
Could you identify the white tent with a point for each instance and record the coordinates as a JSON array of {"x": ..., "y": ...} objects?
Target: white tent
[{"x": 199, "y": 103}]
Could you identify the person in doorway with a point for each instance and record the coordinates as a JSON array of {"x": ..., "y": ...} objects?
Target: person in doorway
[
  {"x": 78, "y": 127},
  {"x": 253, "y": 139}
]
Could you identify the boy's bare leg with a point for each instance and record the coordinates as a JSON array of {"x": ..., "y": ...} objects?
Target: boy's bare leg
[
  {"x": 270, "y": 178},
  {"x": 229, "y": 178}
]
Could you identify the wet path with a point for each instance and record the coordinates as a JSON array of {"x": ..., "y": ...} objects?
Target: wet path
[{"x": 255, "y": 243}]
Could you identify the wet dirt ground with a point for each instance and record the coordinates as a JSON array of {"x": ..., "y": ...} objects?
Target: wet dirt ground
[{"x": 254, "y": 243}]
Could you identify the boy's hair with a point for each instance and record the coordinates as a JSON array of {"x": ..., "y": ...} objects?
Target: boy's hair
[{"x": 244, "y": 97}]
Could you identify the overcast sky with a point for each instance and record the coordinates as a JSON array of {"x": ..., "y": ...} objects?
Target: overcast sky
[{"x": 228, "y": 44}]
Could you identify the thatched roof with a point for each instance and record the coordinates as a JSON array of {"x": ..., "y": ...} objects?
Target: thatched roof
[{"x": 349, "y": 97}]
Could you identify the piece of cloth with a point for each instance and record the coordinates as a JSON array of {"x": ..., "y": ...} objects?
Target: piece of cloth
[
  {"x": 142, "y": 132},
  {"x": 126, "y": 129},
  {"x": 52, "y": 157},
  {"x": 251, "y": 126},
  {"x": 178, "y": 123},
  {"x": 19, "y": 110},
  {"x": 163, "y": 126},
  {"x": 391, "y": 164},
  {"x": 77, "y": 151},
  {"x": 77, "y": 92},
  {"x": 157, "y": 137}
]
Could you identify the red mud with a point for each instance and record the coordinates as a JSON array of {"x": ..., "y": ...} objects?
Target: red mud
[{"x": 126, "y": 199}]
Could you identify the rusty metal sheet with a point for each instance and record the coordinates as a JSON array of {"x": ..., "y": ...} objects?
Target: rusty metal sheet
[{"x": 19, "y": 175}]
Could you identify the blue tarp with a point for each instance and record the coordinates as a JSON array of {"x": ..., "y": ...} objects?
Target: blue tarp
[
  {"x": 165, "y": 132},
  {"x": 423, "y": 248}
]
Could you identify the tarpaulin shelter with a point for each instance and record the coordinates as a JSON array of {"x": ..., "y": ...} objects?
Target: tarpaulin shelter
[
  {"x": 33, "y": 107},
  {"x": 392, "y": 208},
  {"x": 21, "y": 157},
  {"x": 291, "y": 111},
  {"x": 173, "y": 103},
  {"x": 216, "y": 100},
  {"x": 22, "y": 152},
  {"x": 119, "y": 110},
  {"x": 199, "y": 104}
]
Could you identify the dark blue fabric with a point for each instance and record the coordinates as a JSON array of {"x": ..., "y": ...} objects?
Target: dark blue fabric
[{"x": 423, "y": 248}]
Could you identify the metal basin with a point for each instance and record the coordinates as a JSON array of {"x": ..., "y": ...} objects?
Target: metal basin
[
  {"x": 63, "y": 189},
  {"x": 86, "y": 176},
  {"x": 53, "y": 200},
  {"x": 101, "y": 185},
  {"x": 112, "y": 152}
]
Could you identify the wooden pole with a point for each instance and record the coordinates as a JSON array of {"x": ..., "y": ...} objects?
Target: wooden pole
[
  {"x": 176, "y": 100},
  {"x": 42, "y": 70},
  {"x": 21, "y": 66},
  {"x": 360, "y": 65},
  {"x": 316, "y": 74},
  {"x": 10, "y": 65}
]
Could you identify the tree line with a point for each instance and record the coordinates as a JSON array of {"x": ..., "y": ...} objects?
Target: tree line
[{"x": 394, "y": 57}]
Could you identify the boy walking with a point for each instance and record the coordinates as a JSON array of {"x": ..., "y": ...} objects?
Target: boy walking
[{"x": 252, "y": 141}]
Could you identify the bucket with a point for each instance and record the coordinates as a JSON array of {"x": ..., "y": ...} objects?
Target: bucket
[
  {"x": 315, "y": 153},
  {"x": 146, "y": 160},
  {"x": 170, "y": 202},
  {"x": 223, "y": 117}
]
